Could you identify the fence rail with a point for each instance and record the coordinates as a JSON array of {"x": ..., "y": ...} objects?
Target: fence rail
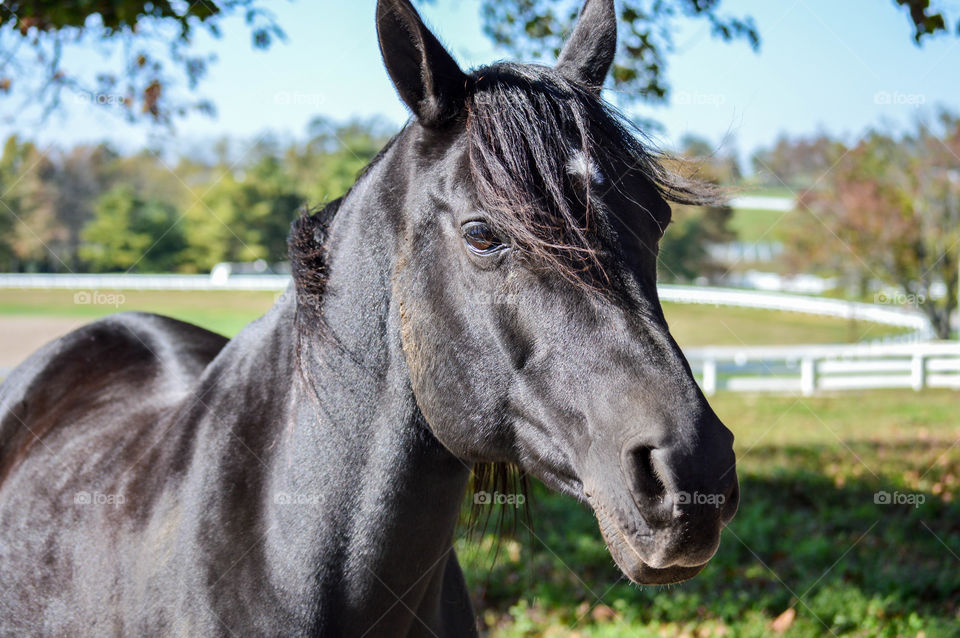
[
  {"x": 678, "y": 294},
  {"x": 810, "y": 369},
  {"x": 803, "y": 369},
  {"x": 143, "y": 282},
  {"x": 853, "y": 310}
]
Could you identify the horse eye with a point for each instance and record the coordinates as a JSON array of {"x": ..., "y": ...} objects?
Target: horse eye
[{"x": 480, "y": 238}]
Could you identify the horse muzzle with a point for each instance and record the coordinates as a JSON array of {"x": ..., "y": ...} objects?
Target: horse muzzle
[{"x": 662, "y": 519}]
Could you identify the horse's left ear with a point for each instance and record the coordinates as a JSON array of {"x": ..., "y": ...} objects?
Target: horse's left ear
[
  {"x": 588, "y": 54},
  {"x": 427, "y": 78}
]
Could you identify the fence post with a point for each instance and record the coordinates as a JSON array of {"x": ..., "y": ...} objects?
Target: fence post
[
  {"x": 918, "y": 372},
  {"x": 808, "y": 376},
  {"x": 709, "y": 376}
]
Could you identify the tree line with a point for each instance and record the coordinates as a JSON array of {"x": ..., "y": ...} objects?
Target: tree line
[
  {"x": 884, "y": 209},
  {"x": 881, "y": 209},
  {"x": 92, "y": 209}
]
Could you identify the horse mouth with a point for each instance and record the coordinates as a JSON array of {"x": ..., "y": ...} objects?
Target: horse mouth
[
  {"x": 667, "y": 576},
  {"x": 647, "y": 567}
]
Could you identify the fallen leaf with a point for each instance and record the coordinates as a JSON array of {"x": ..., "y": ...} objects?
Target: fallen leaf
[{"x": 782, "y": 622}]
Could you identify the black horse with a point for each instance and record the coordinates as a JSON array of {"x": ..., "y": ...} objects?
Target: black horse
[{"x": 485, "y": 293}]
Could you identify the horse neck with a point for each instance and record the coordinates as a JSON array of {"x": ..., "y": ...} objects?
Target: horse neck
[{"x": 361, "y": 488}]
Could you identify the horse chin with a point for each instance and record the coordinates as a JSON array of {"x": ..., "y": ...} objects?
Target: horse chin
[
  {"x": 638, "y": 571},
  {"x": 634, "y": 568},
  {"x": 637, "y": 555},
  {"x": 649, "y": 576}
]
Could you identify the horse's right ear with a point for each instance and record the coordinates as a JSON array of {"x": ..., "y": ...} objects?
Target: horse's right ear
[{"x": 428, "y": 80}]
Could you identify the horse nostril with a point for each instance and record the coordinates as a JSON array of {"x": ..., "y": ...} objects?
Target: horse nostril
[
  {"x": 647, "y": 479},
  {"x": 732, "y": 503},
  {"x": 734, "y": 495}
]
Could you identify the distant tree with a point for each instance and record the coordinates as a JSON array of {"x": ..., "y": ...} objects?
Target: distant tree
[
  {"x": 77, "y": 179},
  {"x": 890, "y": 210},
  {"x": 153, "y": 178},
  {"x": 244, "y": 216},
  {"x": 59, "y": 208},
  {"x": 334, "y": 154},
  {"x": 47, "y": 197},
  {"x": 13, "y": 162},
  {"x": 797, "y": 163},
  {"x": 130, "y": 233},
  {"x": 38, "y": 241},
  {"x": 685, "y": 247},
  {"x": 150, "y": 45},
  {"x": 721, "y": 164}
]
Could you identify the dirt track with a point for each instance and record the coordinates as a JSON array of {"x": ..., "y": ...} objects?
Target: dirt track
[{"x": 21, "y": 335}]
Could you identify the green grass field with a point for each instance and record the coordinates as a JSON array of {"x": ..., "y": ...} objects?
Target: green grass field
[
  {"x": 768, "y": 191},
  {"x": 228, "y": 312},
  {"x": 223, "y": 312},
  {"x": 757, "y": 225},
  {"x": 809, "y": 536},
  {"x": 701, "y": 325}
]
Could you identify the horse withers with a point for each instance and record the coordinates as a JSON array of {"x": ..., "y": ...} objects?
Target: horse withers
[{"x": 485, "y": 293}]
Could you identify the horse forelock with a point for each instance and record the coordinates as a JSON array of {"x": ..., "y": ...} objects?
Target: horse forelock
[{"x": 543, "y": 150}]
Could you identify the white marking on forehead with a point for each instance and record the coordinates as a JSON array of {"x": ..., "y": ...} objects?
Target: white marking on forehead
[{"x": 583, "y": 168}]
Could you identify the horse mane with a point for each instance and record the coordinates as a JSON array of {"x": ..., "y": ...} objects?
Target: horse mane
[
  {"x": 524, "y": 124},
  {"x": 306, "y": 245}
]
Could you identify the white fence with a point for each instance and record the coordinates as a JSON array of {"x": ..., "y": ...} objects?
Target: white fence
[
  {"x": 889, "y": 315},
  {"x": 803, "y": 369},
  {"x": 144, "y": 282},
  {"x": 759, "y": 202},
  {"x": 810, "y": 369}
]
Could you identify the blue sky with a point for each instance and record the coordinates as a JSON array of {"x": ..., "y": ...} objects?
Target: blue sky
[{"x": 823, "y": 65}]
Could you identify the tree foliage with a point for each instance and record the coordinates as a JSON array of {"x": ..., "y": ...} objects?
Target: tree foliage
[
  {"x": 928, "y": 18},
  {"x": 243, "y": 216},
  {"x": 151, "y": 45},
  {"x": 889, "y": 211},
  {"x": 90, "y": 208},
  {"x": 685, "y": 247},
  {"x": 152, "y": 68},
  {"x": 128, "y": 232},
  {"x": 537, "y": 29},
  {"x": 796, "y": 163}
]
